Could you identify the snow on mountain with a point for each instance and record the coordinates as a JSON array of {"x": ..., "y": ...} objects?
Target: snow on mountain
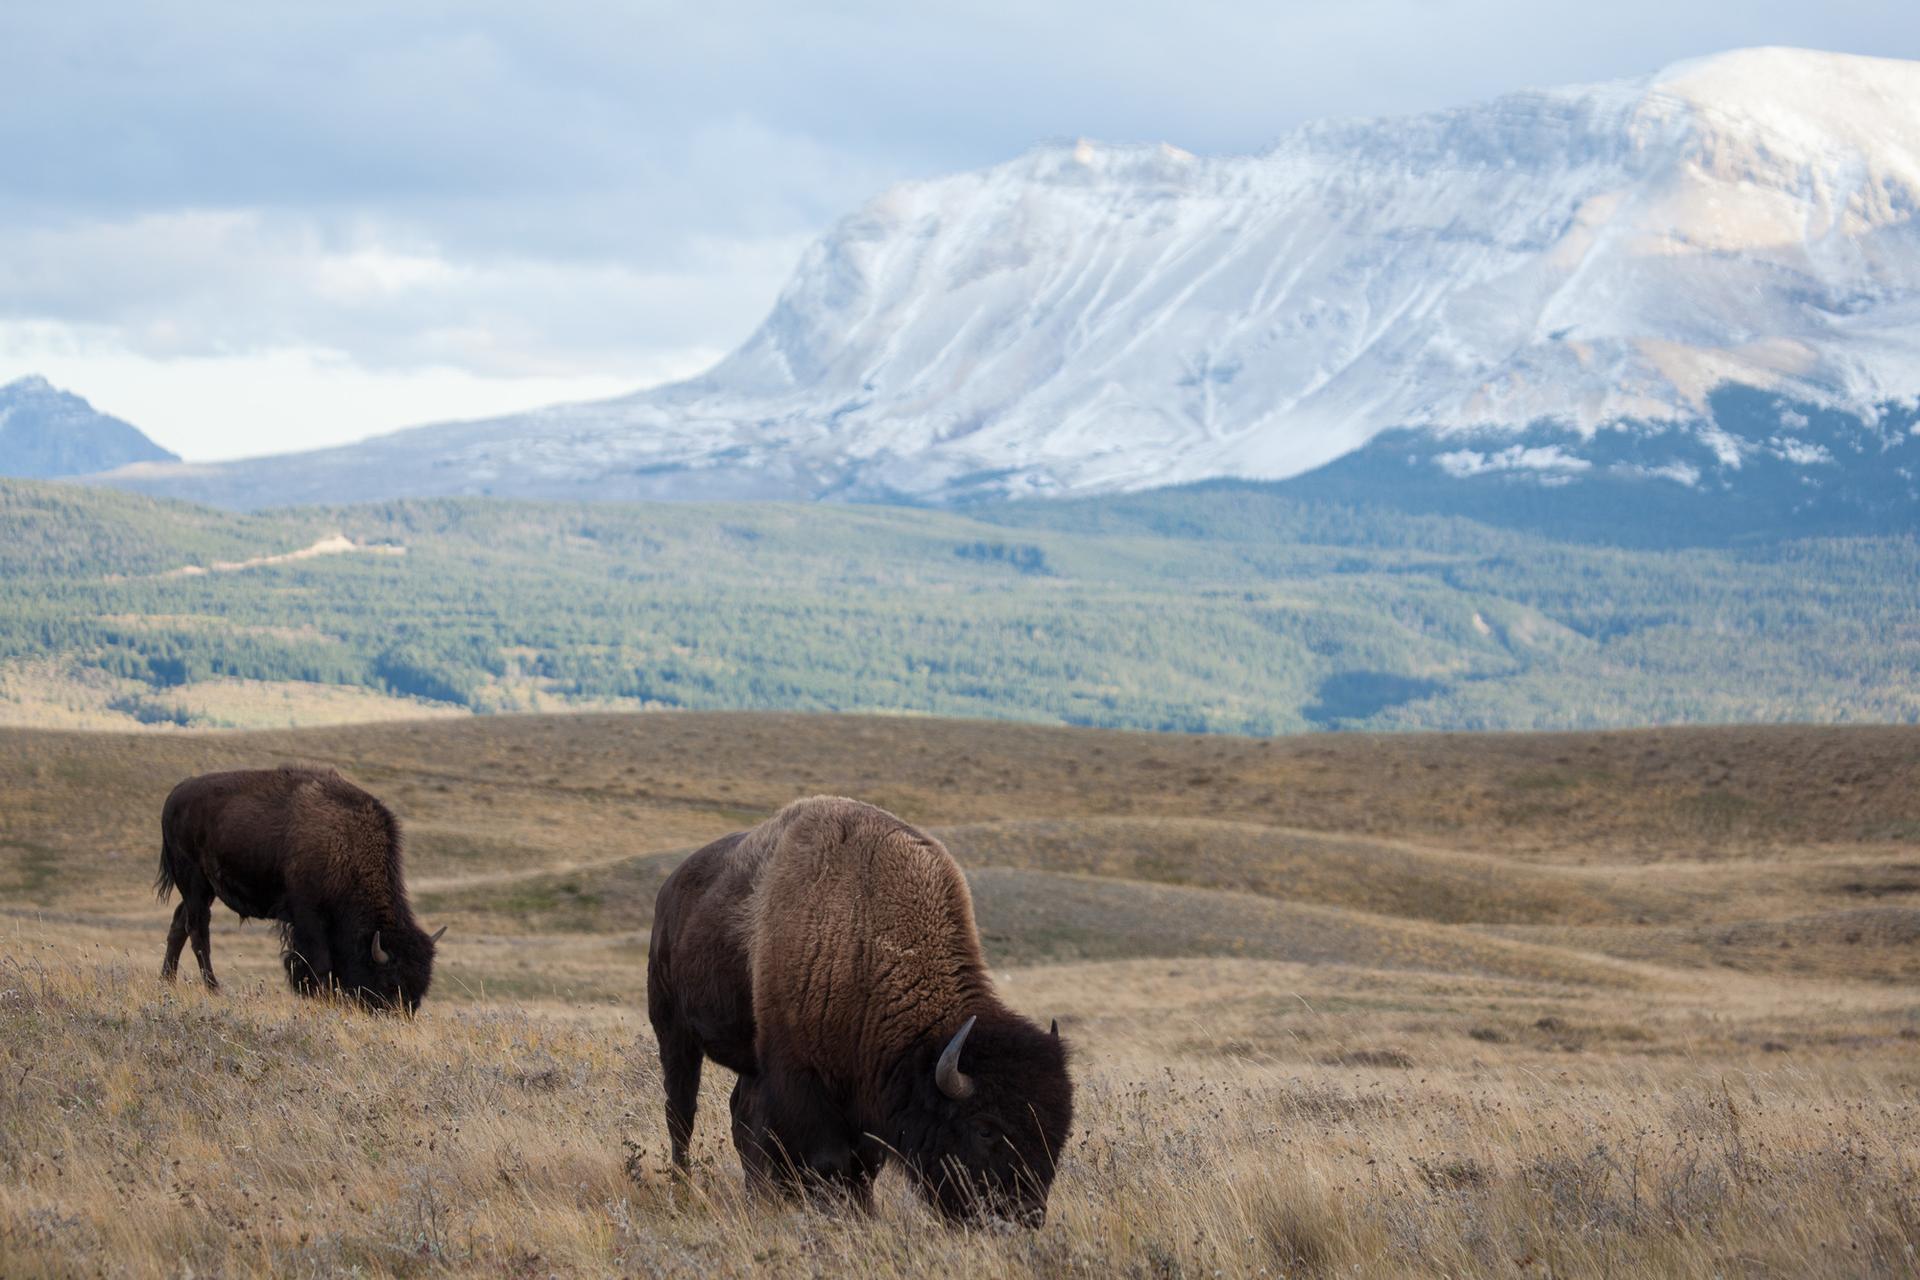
[
  {"x": 1092, "y": 318},
  {"x": 45, "y": 431}
]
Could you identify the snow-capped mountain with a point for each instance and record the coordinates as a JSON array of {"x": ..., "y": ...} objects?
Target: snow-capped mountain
[
  {"x": 1092, "y": 318},
  {"x": 45, "y": 431}
]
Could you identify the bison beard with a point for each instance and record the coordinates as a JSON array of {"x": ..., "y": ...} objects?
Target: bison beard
[
  {"x": 312, "y": 851},
  {"x": 829, "y": 958}
]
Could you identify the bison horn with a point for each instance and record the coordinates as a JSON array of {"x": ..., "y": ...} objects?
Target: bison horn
[
  {"x": 379, "y": 956},
  {"x": 1054, "y": 1031},
  {"x": 954, "y": 1082},
  {"x": 438, "y": 934}
]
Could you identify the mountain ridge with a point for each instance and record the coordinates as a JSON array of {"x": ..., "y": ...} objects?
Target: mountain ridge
[{"x": 1088, "y": 318}]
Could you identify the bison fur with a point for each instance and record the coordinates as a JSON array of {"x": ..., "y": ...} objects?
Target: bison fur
[
  {"x": 829, "y": 957},
  {"x": 310, "y": 850}
]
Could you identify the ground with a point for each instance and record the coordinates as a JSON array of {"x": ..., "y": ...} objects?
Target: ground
[{"x": 1632, "y": 1003}]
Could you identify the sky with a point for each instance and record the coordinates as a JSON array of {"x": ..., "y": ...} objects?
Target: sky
[{"x": 251, "y": 227}]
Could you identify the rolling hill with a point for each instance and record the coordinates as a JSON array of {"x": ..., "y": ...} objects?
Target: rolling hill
[
  {"x": 1237, "y": 610},
  {"x": 1476, "y": 992}
]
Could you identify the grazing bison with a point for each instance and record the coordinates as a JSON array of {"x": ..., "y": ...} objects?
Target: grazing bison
[
  {"x": 829, "y": 957},
  {"x": 309, "y": 849}
]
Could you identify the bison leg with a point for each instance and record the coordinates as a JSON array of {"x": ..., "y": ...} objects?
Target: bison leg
[
  {"x": 681, "y": 1058},
  {"x": 176, "y": 939},
  {"x": 309, "y": 960},
  {"x": 199, "y": 916},
  {"x": 803, "y": 1138},
  {"x": 750, "y": 1135}
]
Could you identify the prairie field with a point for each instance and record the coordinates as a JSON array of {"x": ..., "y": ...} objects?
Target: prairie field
[{"x": 1635, "y": 1003}]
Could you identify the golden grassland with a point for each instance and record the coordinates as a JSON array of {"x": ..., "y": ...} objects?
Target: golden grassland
[
  {"x": 54, "y": 694},
  {"x": 1612, "y": 1004}
]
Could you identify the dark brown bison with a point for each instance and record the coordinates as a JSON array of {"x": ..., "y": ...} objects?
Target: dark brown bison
[
  {"x": 309, "y": 849},
  {"x": 829, "y": 957}
]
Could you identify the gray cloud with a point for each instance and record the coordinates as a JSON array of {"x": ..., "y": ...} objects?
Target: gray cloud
[{"x": 753, "y": 116}]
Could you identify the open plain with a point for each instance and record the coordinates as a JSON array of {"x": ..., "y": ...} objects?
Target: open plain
[{"x": 1631, "y": 1003}]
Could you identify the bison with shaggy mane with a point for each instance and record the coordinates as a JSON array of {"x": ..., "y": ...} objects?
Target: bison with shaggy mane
[
  {"x": 829, "y": 957},
  {"x": 308, "y": 849}
]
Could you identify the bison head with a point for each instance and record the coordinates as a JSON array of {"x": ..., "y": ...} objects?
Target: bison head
[
  {"x": 990, "y": 1107},
  {"x": 396, "y": 970}
]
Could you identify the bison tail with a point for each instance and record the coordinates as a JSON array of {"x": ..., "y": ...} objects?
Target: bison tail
[{"x": 163, "y": 883}]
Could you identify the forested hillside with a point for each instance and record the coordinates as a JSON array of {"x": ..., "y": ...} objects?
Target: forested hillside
[{"x": 1226, "y": 610}]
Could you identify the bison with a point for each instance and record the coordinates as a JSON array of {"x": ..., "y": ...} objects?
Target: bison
[
  {"x": 829, "y": 957},
  {"x": 309, "y": 849}
]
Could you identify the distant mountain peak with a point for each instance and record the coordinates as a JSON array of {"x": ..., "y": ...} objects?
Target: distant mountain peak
[
  {"x": 1811, "y": 83},
  {"x": 46, "y": 432}
]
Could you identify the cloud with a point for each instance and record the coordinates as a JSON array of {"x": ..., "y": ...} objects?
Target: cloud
[
  {"x": 202, "y": 283},
  {"x": 578, "y": 193}
]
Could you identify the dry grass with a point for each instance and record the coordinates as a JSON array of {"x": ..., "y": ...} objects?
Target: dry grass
[
  {"x": 164, "y": 1132},
  {"x": 1531, "y": 1042},
  {"x": 54, "y": 694}
]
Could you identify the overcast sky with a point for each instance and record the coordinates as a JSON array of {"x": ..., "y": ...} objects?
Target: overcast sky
[{"x": 250, "y": 227}]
